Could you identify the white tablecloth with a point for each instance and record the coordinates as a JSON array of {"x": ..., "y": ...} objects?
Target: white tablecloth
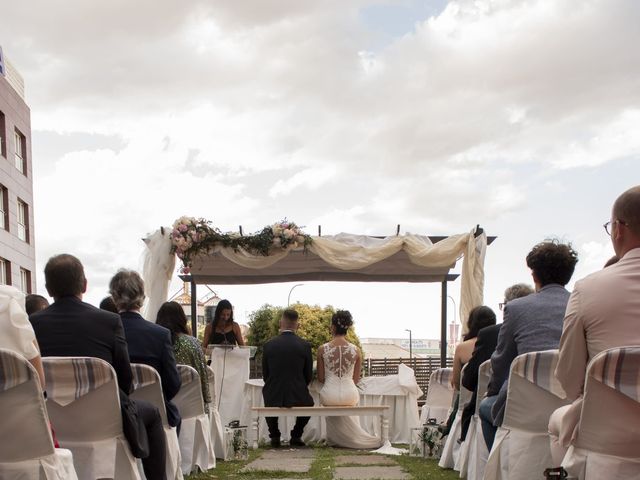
[
  {"x": 231, "y": 371},
  {"x": 400, "y": 392}
]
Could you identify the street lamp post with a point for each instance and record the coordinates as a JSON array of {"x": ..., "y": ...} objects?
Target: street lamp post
[
  {"x": 455, "y": 319},
  {"x": 289, "y": 297},
  {"x": 410, "y": 344}
]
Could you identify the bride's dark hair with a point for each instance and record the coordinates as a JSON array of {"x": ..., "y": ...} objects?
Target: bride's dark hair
[{"x": 341, "y": 321}]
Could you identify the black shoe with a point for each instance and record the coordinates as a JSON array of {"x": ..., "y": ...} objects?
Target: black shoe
[
  {"x": 296, "y": 442},
  {"x": 275, "y": 442}
]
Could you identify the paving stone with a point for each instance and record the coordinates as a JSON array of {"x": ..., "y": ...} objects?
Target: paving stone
[
  {"x": 365, "y": 473},
  {"x": 284, "y": 453},
  {"x": 364, "y": 460},
  {"x": 284, "y": 464}
]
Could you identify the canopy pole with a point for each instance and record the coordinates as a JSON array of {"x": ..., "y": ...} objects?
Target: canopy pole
[
  {"x": 194, "y": 309},
  {"x": 443, "y": 326}
]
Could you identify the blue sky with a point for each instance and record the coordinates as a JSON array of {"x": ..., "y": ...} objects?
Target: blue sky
[{"x": 518, "y": 115}]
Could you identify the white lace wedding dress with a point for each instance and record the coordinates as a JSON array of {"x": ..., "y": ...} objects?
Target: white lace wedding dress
[{"x": 339, "y": 389}]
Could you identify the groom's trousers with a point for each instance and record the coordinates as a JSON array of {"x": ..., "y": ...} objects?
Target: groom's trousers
[{"x": 298, "y": 428}]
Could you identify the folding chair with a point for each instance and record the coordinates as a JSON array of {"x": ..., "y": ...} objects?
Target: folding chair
[
  {"x": 450, "y": 457},
  {"x": 439, "y": 396},
  {"x": 84, "y": 407},
  {"x": 215, "y": 423}
]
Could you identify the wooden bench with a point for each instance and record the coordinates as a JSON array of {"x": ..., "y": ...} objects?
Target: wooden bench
[{"x": 321, "y": 411}]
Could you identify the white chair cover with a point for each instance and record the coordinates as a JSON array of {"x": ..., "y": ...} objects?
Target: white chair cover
[
  {"x": 196, "y": 447},
  {"x": 147, "y": 386},
  {"x": 478, "y": 452},
  {"x": 439, "y": 396},
  {"x": 521, "y": 448},
  {"x": 27, "y": 451},
  {"x": 215, "y": 423},
  {"x": 607, "y": 444},
  {"x": 450, "y": 457},
  {"x": 84, "y": 406}
]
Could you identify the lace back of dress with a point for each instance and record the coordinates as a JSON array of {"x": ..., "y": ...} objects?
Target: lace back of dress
[{"x": 339, "y": 359}]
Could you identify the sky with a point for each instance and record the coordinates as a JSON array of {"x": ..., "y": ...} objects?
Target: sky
[{"x": 521, "y": 116}]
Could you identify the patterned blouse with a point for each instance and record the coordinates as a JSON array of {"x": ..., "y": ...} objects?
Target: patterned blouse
[{"x": 188, "y": 351}]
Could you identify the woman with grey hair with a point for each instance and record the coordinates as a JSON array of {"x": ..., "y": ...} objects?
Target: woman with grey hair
[{"x": 147, "y": 342}]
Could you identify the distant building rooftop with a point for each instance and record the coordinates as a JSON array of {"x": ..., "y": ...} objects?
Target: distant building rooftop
[{"x": 11, "y": 74}]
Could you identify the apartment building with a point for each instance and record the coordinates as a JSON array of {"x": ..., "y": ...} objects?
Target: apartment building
[{"x": 17, "y": 249}]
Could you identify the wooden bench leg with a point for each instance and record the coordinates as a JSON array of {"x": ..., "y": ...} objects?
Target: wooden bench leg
[
  {"x": 384, "y": 428},
  {"x": 255, "y": 421}
]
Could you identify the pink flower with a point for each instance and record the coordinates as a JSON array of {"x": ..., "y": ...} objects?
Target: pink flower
[
  {"x": 182, "y": 227},
  {"x": 186, "y": 270}
]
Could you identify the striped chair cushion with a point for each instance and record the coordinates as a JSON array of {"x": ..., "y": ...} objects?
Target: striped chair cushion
[
  {"x": 143, "y": 375},
  {"x": 538, "y": 368},
  {"x": 442, "y": 376},
  {"x": 188, "y": 374},
  {"x": 71, "y": 378},
  {"x": 14, "y": 370},
  {"x": 618, "y": 368}
]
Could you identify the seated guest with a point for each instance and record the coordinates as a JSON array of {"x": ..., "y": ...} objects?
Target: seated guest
[
  {"x": 603, "y": 313},
  {"x": 147, "y": 342},
  {"x": 16, "y": 333},
  {"x": 222, "y": 330},
  {"x": 73, "y": 328},
  {"x": 531, "y": 324},
  {"x": 479, "y": 317},
  {"x": 483, "y": 349},
  {"x": 187, "y": 349},
  {"x": 34, "y": 303},
  {"x": 108, "y": 304}
]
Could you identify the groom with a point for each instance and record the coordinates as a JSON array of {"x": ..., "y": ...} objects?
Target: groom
[{"x": 287, "y": 368}]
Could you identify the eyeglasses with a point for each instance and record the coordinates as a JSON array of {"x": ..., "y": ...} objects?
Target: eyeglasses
[
  {"x": 610, "y": 223},
  {"x": 502, "y": 305}
]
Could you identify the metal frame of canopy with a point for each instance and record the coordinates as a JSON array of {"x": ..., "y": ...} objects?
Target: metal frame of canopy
[{"x": 402, "y": 271}]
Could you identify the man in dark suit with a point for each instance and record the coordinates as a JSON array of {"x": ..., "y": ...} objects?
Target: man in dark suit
[
  {"x": 531, "y": 324},
  {"x": 72, "y": 328},
  {"x": 287, "y": 369},
  {"x": 147, "y": 342}
]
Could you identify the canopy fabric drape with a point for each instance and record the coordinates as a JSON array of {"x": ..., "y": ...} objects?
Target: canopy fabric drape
[{"x": 342, "y": 257}]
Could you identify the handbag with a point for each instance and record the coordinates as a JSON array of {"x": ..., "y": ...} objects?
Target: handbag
[{"x": 133, "y": 427}]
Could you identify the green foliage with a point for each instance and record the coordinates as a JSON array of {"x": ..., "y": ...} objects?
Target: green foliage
[{"x": 314, "y": 325}]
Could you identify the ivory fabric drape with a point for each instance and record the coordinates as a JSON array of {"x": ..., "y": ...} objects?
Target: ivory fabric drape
[{"x": 357, "y": 254}]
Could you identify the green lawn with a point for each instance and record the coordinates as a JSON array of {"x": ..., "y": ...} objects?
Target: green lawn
[{"x": 322, "y": 467}]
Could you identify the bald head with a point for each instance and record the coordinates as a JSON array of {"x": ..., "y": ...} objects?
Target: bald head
[{"x": 627, "y": 209}]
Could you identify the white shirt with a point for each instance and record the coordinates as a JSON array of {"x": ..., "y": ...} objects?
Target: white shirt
[{"x": 16, "y": 332}]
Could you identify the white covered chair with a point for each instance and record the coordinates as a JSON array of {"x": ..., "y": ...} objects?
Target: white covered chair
[
  {"x": 450, "y": 457},
  {"x": 439, "y": 396},
  {"x": 215, "y": 423},
  {"x": 521, "y": 448},
  {"x": 148, "y": 387},
  {"x": 196, "y": 448},
  {"x": 27, "y": 451},
  {"x": 607, "y": 444},
  {"x": 84, "y": 407},
  {"x": 476, "y": 456}
]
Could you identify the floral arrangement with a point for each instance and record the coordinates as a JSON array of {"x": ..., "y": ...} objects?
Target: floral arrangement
[{"x": 196, "y": 236}]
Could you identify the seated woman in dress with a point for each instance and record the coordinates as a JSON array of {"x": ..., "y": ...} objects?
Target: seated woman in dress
[
  {"x": 222, "y": 330},
  {"x": 187, "y": 349},
  {"x": 339, "y": 364}
]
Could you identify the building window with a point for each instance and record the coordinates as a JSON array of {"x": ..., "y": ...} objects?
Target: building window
[
  {"x": 21, "y": 151},
  {"x": 23, "y": 221},
  {"x": 5, "y": 272},
  {"x": 4, "y": 208},
  {"x": 25, "y": 280},
  {"x": 3, "y": 136}
]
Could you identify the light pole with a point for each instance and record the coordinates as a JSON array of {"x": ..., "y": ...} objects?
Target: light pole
[
  {"x": 289, "y": 297},
  {"x": 455, "y": 320},
  {"x": 410, "y": 344}
]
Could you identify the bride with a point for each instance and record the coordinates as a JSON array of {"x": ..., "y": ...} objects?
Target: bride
[{"x": 339, "y": 370}]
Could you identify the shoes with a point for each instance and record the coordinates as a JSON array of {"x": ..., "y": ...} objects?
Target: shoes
[
  {"x": 275, "y": 442},
  {"x": 296, "y": 442}
]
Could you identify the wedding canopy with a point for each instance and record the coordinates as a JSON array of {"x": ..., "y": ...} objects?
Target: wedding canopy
[{"x": 341, "y": 258}]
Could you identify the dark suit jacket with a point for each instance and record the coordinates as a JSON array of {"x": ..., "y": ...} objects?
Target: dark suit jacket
[
  {"x": 287, "y": 369},
  {"x": 531, "y": 324},
  {"x": 485, "y": 345},
  {"x": 72, "y": 328},
  {"x": 150, "y": 344}
]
